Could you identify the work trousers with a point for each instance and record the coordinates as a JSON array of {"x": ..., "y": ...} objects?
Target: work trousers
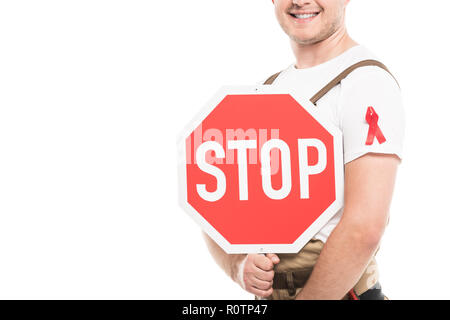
[{"x": 299, "y": 266}]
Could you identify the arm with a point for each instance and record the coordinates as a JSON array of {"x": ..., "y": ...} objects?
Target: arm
[
  {"x": 228, "y": 262},
  {"x": 253, "y": 272},
  {"x": 369, "y": 185}
]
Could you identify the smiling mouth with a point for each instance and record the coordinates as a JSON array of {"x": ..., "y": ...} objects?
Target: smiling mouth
[{"x": 305, "y": 16}]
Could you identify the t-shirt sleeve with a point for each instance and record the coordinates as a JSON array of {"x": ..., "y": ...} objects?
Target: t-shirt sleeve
[{"x": 371, "y": 87}]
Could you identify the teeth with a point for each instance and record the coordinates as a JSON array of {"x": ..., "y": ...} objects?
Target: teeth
[{"x": 305, "y": 16}]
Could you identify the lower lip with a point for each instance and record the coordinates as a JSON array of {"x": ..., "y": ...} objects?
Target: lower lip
[{"x": 297, "y": 20}]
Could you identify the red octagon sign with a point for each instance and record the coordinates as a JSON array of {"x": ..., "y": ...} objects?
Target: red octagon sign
[{"x": 261, "y": 170}]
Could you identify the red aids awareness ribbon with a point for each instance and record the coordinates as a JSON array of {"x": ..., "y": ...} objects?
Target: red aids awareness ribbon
[{"x": 374, "y": 129}]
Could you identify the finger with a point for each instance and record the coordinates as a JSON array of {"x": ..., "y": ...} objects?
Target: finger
[
  {"x": 263, "y": 263},
  {"x": 260, "y": 284},
  {"x": 272, "y": 256},
  {"x": 263, "y": 275},
  {"x": 261, "y": 293}
]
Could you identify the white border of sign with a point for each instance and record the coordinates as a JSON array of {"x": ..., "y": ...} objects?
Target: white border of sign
[{"x": 266, "y": 248}]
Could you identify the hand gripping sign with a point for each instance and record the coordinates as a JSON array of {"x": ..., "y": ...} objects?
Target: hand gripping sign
[{"x": 261, "y": 170}]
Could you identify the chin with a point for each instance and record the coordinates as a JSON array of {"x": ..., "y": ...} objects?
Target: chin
[{"x": 303, "y": 39}]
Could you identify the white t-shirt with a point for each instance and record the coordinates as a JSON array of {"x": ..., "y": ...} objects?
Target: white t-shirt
[{"x": 346, "y": 106}]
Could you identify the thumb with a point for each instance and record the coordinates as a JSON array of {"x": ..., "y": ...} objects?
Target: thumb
[{"x": 273, "y": 257}]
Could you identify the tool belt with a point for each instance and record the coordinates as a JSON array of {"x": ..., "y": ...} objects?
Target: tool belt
[
  {"x": 291, "y": 280},
  {"x": 294, "y": 270}
]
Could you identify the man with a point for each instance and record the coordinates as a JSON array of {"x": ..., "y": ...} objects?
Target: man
[{"x": 341, "y": 254}]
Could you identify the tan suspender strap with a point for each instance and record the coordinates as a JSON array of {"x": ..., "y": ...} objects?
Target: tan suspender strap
[
  {"x": 338, "y": 78},
  {"x": 345, "y": 73},
  {"x": 272, "y": 78}
]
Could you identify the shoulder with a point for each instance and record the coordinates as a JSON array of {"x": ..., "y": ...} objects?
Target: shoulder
[
  {"x": 372, "y": 78},
  {"x": 272, "y": 79},
  {"x": 370, "y": 85},
  {"x": 367, "y": 75}
]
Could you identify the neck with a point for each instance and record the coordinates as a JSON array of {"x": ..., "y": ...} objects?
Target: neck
[{"x": 310, "y": 55}]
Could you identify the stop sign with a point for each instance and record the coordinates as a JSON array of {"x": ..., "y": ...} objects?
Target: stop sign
[{"x": 261, "y": 169}]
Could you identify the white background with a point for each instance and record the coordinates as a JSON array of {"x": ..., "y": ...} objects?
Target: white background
[{"x": 92, "y": 96}]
